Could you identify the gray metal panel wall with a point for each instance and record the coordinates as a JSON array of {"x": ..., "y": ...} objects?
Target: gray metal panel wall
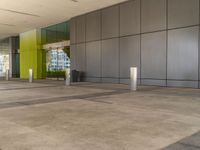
[
  {"x": 80, "y": 29},
  {"x": 153, "y": 15},
  {"x": 93, "y": 26},
  {"x": 73, "y": 31},
  {"x": 93, "y": 79},
  {"x": 110, "y": 80},
  {"x": 153, "y": 50},
  {"x": 153, "y": 58},
  {"x": 73, "y": 56},
  {"x": 183, "y": 54},
  {"x": 110, "y": 58},
  {"x": 80, "y": 57},
  {"x": 110, "y": 22},
  {"x": 129, "y": 55},
  {"x": 183, "y": 13},
  {"x": 160, "y": 38},
  {"x": 93, "y": 57},
  {"x": 155, "y": 82},
  {"x": 184, "y": 83},
  {"x": 130, "y": 18}
]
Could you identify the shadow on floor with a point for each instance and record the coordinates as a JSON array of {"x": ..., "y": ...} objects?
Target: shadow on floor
[{"x": 189, "y": 143}]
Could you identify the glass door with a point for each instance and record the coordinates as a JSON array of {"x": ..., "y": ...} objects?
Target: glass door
[{"x": 57, "y": 62}]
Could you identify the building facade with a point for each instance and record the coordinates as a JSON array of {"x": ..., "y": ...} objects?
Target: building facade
[{"x": 159, "y": 37}]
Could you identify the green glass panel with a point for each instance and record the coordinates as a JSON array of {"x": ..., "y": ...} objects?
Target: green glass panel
[{"x": 55, "y": 33}]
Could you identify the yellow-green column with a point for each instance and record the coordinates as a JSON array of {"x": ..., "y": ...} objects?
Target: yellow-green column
[{"x": 32, "y": 55}]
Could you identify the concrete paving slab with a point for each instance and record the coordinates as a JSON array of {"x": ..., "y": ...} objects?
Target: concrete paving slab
[{"x": 96, "y": 116}]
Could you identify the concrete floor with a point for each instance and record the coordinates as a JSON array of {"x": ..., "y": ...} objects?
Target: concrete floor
[{"x": 46, "y": 115}]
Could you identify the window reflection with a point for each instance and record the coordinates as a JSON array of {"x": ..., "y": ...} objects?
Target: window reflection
[
  {"x": 57, "y": 60},
  {"x": 4, "y": 64}
]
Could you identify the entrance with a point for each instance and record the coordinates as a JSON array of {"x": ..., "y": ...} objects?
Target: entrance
[{"x": 57, "y": 60}]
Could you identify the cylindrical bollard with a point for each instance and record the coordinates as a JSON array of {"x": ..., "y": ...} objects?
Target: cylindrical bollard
[
  {"x": 30, "y": 75},
  {"x": 133, "y": 77},
  {"x": 7, "y": 75},
  {"x": 67, "y": 77}
]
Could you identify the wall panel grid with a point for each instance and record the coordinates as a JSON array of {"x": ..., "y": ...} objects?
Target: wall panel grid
[{"x": 160, "y": 37}]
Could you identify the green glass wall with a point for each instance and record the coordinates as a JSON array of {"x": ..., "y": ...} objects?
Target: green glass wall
[{"x": 55, "y": 33}]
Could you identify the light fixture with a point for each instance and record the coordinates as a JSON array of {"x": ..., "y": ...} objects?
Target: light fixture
[
  {"x": 74, "y": 0},
  {"x": 19, "y": 12}
]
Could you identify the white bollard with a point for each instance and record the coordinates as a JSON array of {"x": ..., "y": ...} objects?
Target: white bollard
[
  {"x": 7, "y": 74},
  {"x": 133, "y": 77},
  {"x": 67, "y": 76},
  {"x": 30, "y": 75}
]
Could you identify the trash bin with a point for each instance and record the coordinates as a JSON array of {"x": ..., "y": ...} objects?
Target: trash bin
[{"x": 75, "y": 76}]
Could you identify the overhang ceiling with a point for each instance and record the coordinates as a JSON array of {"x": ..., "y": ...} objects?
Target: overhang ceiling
[{"x": 17, "y": 16}]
